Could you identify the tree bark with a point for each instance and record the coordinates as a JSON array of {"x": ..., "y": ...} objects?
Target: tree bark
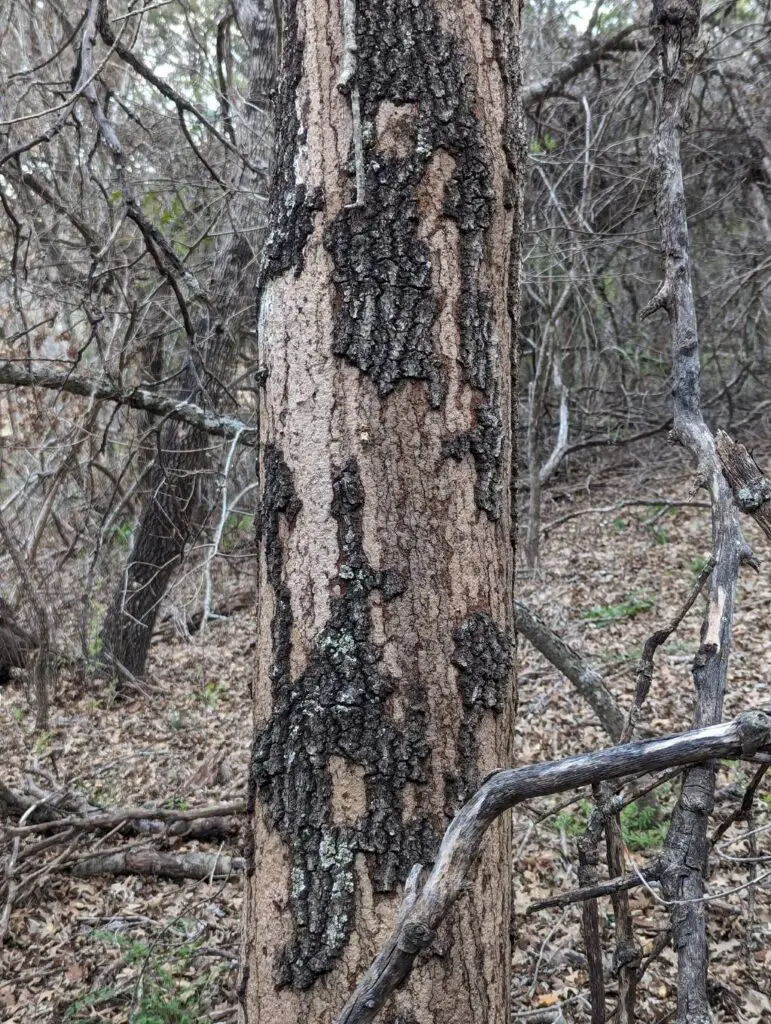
[
  {"x": 184, "y": 451},
  {"x": 384, "y": 690}
]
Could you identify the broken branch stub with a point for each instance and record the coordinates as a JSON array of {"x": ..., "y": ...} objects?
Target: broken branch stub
[{"x": 751, "y": 490}]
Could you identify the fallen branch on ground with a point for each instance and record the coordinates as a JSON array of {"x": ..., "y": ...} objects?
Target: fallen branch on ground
[
  {"x": 113, "y": 819},
  {"x": 159, "y": 865}
]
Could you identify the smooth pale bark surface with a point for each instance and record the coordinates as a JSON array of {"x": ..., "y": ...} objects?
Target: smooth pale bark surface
[{"x": 384, "y": 691}]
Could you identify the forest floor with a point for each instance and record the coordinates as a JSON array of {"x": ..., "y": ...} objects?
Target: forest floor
[{"x": 165, "y": 952}]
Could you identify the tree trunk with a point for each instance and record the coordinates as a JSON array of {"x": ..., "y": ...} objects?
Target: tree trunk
[
  {"x": 384, "y": 687},
  {"x": 184, "y": 451}
]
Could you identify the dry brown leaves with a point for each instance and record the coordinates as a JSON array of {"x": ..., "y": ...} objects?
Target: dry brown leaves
[{"x": 98, "y": 949}]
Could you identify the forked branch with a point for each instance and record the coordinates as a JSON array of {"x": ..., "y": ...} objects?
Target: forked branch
[{"x": 424, "y": 909}]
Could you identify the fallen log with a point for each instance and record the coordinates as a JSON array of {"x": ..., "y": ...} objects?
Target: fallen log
[{"x": 159, "y": 865}]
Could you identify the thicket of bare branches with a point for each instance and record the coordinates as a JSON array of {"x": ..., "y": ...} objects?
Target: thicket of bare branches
[{"x": 134, "y": 155}]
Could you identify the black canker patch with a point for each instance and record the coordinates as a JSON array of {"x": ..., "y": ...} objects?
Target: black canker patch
[
  {"x": 483, "y": 657},
  {"x": 338, "y": 707},
  {"x": 387, "y": 308}
]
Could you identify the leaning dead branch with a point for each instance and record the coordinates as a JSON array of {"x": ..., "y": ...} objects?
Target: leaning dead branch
[
  {"x": 676, "y": 35},
  {"x": 587, "y": 680},
  {"x": 593, "y": 53},
  {"x": 424, "y": 909}
]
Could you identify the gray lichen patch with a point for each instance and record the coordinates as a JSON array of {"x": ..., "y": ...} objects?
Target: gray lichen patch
[
  {"x": 417, "y": 99},
  {"x": 483, "y": 656},
  {"x": 335, "y": 712}
]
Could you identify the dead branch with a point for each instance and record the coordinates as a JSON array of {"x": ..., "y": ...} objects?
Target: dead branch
[
  {"x": 159, "y": 865},
  {"x": 663, "y": 503},
  {"x": 135, "y": 398},
  {"x": 591, "y": 892},
  {"x": 744, "y": 810},
  {"x": 97, "y": 821},
  {"x": 423, "y": 910},
  {"x": 592, "y": 54},
  {"x": 652, "y": 644},
  {"x": 685, "y": 850},
  {"x": 751, "y": 489},
  {"x": 587, "y": 681}
]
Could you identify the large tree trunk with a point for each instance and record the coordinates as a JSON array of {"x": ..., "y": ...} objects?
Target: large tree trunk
[
  {"x": 384, "y": 689},
  {"x": 184, "y": 452}
]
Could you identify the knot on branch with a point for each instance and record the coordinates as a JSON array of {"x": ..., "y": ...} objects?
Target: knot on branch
[
  {"x": 676, "y": 20},
  {"x": 754, "y": 495},
  {"x": 754, "y": 730},
  {"x": 661, "y": 300},
  {"x": 414, "y": 937}
]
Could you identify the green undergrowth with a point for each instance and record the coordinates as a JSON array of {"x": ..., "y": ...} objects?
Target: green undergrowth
[
  {"x": 604, "y": 614},
  {"x": 151, "y": 982},
  {"x": 642, "y": 827}
]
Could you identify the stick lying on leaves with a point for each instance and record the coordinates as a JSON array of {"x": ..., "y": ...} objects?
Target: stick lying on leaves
[
  {"x": 424, "y": 909},
  {"x": 111, "y": 819},
  {"x": 159, "y": 865}
]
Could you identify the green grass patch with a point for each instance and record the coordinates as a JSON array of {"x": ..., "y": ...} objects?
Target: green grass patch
[{"x": 604, "y": 614}]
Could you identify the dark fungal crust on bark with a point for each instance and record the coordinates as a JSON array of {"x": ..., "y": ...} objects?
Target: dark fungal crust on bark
[
  {"x": 338, "y": 707},
  {"x": 483, "y": 656},
  {"x": 278, "y": 500},
  {"x": 292, "y": 203},
  {"x": 498, "y": 15},
  {"x": 386, "y": 308}
]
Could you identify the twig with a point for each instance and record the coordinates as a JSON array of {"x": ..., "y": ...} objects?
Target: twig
[
  {"x": 643, "y": 502},
  {"x": 645, "y": 668},
  {"x": 589, "y": 892}
]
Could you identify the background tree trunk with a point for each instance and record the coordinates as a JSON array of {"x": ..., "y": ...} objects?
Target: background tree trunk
[
  {"x": 384, "y": 690},
  {"x": 177, "y": 489}
]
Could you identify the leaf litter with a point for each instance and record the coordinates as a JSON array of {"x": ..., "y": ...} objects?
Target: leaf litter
[{"x": 154, "y": 951}]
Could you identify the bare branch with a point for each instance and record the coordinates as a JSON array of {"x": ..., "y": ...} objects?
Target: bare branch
[
  {"x": 421, "y": 915},
  {"x": 134, "y": 398},
  {"x": 598, "y": 50},
  {"x": 586, "y": 679}
]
